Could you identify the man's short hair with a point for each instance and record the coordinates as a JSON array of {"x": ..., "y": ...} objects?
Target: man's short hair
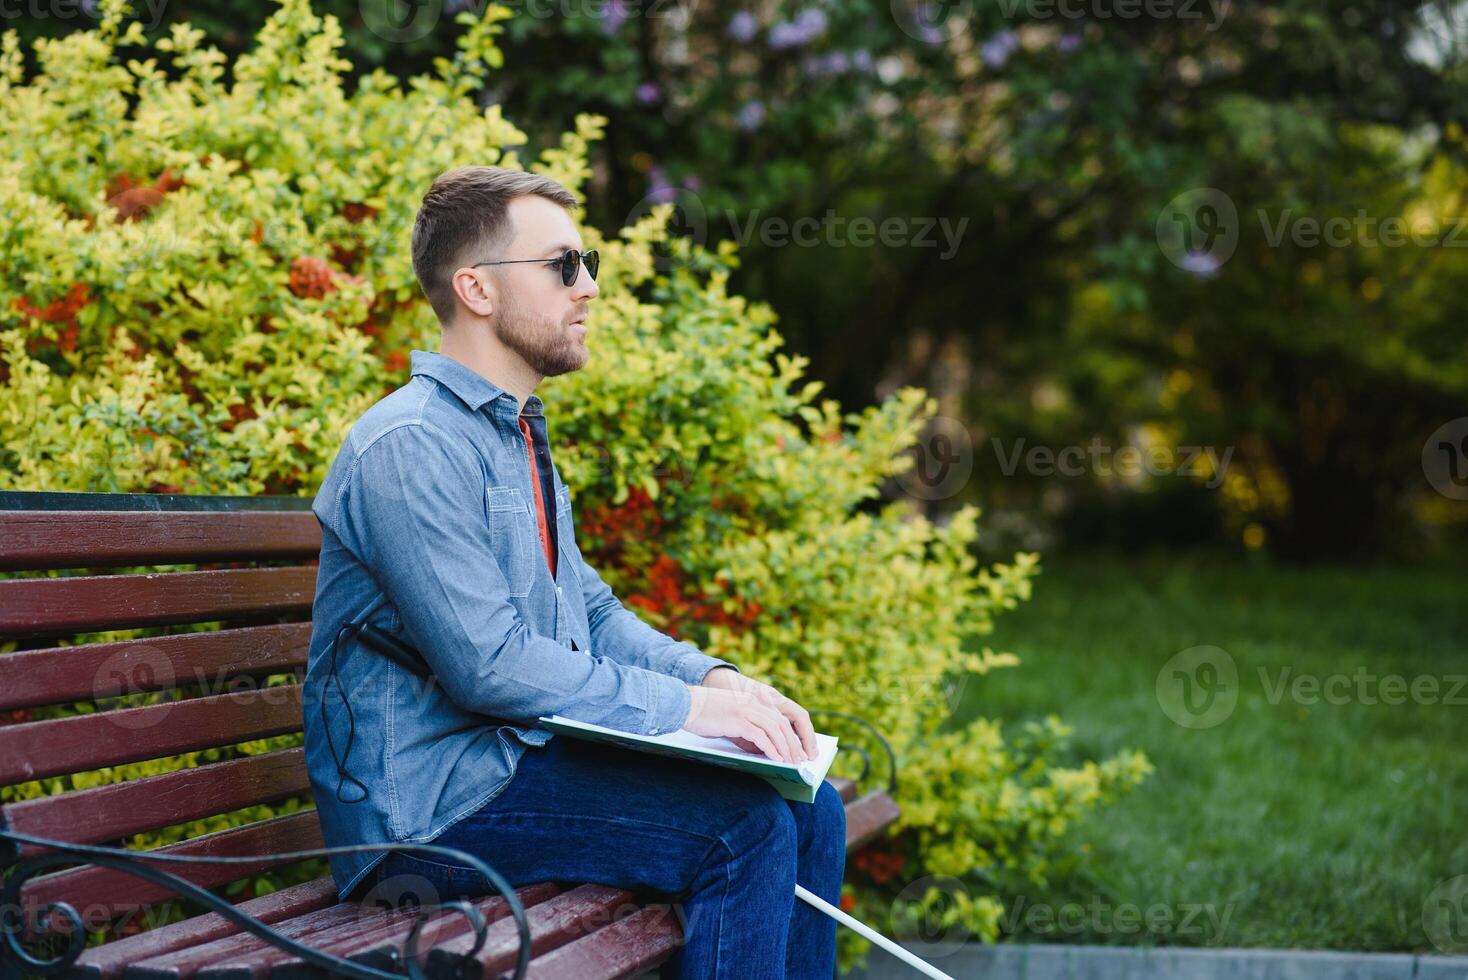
[{"x": 463, "y": 219}]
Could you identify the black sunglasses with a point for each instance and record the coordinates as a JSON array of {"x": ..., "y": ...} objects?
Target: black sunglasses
[{"x": 569, "y": 263}]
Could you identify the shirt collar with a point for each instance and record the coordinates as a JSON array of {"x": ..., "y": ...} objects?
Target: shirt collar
[{"x": 471, "y": 387}]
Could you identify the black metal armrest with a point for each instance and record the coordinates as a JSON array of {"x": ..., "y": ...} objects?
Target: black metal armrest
[
  {"x": 12, "y": 918},
  {"x": 866, "y": 758}
]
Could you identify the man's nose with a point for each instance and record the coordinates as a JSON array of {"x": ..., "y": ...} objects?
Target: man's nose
[{"x": 585, "y": 287}]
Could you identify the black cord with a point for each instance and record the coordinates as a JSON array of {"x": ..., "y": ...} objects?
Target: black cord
[
  {"x": 395, "y": 650},
  {"x": 341, "y": 761}
]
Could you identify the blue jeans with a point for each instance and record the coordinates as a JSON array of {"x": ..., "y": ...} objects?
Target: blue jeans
[{"x": 724, "y": 844}]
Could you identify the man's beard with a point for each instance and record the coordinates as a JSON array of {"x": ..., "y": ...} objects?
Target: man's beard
[{"x": 549, "y": 347}]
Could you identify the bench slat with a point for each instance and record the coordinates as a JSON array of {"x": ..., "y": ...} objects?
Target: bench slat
[
  {"x": 95, "y": 671},
  {"x": 383, "y": 949},
  {"x": 106, "y": 813},
  {"x": 867, "y": 817},
  {"x": 56, "y": 746},
  {"x": 568, "y": 916},
  {"x": 61, "y": 606},
  {"x": 97, "y": 891},
  {"x": 625, "y": 948},
  {"x": 32, "y": 540},
  {"x": 187, "y": 961},
  {"x": 107, "y": 962},
  {"x": 845, "y": 788}
]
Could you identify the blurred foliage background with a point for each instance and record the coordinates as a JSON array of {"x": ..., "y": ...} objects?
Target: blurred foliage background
[
  {"x": 1182, "y": 276},
  {"x": 1037, "y": 159}
]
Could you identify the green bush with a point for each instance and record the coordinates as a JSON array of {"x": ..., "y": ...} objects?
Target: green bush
[{"x": 208, "y": 280}]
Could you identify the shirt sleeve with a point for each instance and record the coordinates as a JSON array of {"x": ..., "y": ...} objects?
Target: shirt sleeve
[
  {"x": 617, "y": 632},
  {"x": 413, "y": 510}
]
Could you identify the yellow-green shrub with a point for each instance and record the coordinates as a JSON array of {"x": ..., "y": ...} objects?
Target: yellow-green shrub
[{"x": 208, "y": 279}]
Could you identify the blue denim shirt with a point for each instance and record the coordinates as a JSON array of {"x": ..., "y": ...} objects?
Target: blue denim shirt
[{"x": 428, "y": 531}]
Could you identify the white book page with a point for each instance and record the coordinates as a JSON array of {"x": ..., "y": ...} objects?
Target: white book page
[{"x": 810, "y": 772}]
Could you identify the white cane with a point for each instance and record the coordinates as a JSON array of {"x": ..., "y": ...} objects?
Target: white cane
[{"x": 911, "y": 960}]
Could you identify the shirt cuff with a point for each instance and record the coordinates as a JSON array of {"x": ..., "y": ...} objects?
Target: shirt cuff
[
  {"x": 693, "y": 667},
  {"x": 670, "y": 702}
]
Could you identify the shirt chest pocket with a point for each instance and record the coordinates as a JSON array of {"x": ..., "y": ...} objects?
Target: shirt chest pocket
[{"x": 512, "y": 537}]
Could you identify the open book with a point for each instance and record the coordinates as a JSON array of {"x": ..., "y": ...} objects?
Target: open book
[{"x": 794, "y": 780}]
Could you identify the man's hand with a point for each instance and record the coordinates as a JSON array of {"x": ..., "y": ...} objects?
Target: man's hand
[{"x": 755, "y": 716}]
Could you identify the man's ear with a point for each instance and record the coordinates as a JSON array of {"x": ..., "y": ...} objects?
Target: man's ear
[{"x": 476, "y": 291}]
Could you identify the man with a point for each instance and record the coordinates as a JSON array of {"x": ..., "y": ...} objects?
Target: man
[{"x": 446, "y": 524}]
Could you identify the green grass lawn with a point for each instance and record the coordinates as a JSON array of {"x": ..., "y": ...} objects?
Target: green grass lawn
[{"x": 1288, "y": 824}]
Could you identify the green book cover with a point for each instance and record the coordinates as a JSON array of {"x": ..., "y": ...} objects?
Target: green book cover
[{"x": 794, "y": 781}]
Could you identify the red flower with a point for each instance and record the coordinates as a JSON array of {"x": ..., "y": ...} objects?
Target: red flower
[
  {"x": 395, "y": 361},
  {"x": 848, "y": 902},
  {"x": 355, "y": 211},
  {"x": 311, "y": 277}
]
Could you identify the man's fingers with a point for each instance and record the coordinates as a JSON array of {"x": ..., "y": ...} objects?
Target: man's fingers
[
  {"x": 800, "y": 718},
  {"x": 761, "y": 740},
  {"x": 787, "y": 737},
  {"x": 768, "y": 724}
]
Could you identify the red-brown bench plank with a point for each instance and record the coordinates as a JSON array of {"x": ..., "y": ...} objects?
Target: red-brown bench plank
[
  {"x": 384, "y": 950},
  {"x": 625, "y": 948},
  {"x": 40, "y": 749},
  {"x": 107, "y": 962},
  {"x": 94, "y": 539},
  {"x": 105, "y": 892},
  {"x": 105, "y": 813},
  {"x": 867, "y": 817},
  {"x": 61, "y": 606},
  {"x": 96, "y": 671},
  {"x": 568, "y": 916}
]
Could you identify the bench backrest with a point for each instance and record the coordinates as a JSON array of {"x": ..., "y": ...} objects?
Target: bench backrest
[{"x": 256, "y": 577}]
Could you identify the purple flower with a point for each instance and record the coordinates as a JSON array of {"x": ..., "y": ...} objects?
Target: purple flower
[
  {"x": 647, "y": 93},
  {"x": 614, "y": 16},
  {"x": 861, "y": 60},
  {"x": 659, "y": 190},
  {"x": 751, "y": 114},
  {"x": 997, "y": 49},
  {"x": 1068, "y": 43},
  {"x": 743, "y": 26},
  {"x": 812, "y": 21},
  {"x": 837, "y": 63},
  {"x": 784, "y": 35},
  {"x": 808, "y": 25}
]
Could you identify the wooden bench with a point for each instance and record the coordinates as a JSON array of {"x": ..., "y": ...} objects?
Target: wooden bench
[{"x": 65, "y": 850}]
